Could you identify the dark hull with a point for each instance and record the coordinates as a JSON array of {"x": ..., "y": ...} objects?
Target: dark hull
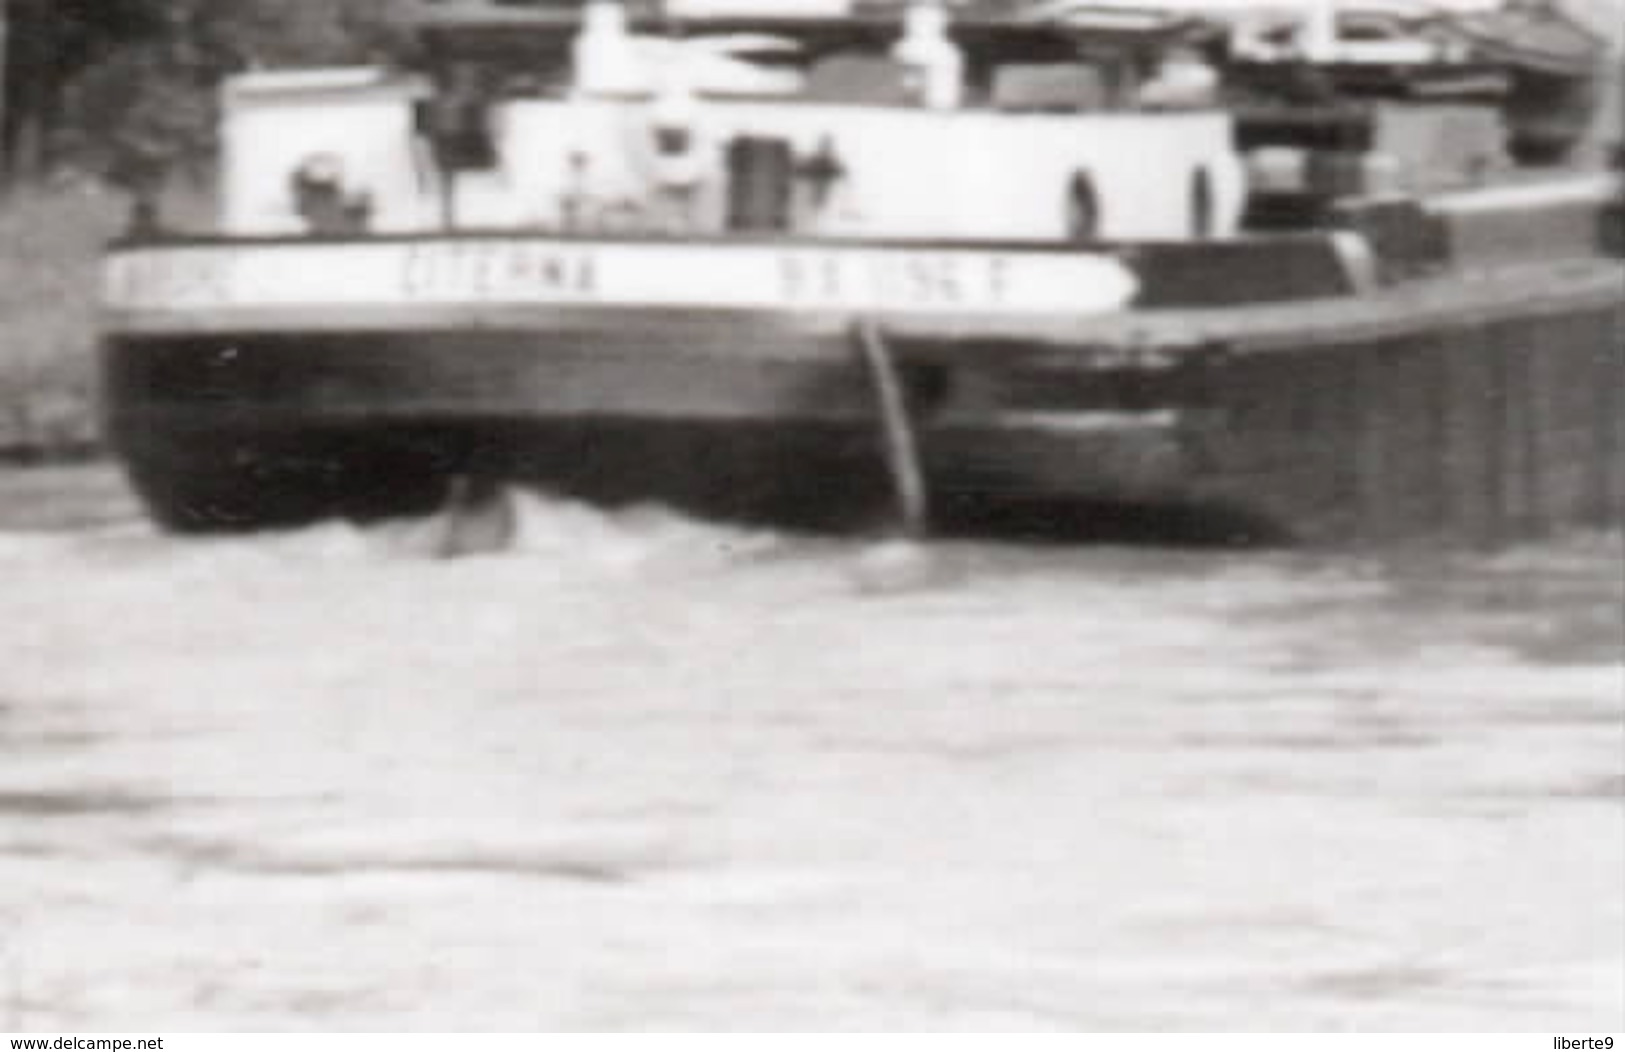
[
  {"x": 1482, "y": 411},
  {"x": 238, "y": 431}
]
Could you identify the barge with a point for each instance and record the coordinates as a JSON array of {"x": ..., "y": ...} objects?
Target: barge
[{"x": 989, "y": 265}]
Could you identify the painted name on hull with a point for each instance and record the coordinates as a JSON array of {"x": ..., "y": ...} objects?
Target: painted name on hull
[{"x": 543, "y": 272}]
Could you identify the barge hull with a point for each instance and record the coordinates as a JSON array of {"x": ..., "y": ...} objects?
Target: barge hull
[{"x": 1490, "y": 412}]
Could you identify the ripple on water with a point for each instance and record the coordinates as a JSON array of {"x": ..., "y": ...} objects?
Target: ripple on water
[{"x": 576, "y": 865}]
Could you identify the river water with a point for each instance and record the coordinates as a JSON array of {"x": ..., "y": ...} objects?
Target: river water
[{"x": 647, "y": 773}]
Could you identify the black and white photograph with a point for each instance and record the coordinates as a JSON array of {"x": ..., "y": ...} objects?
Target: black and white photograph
[{"x": 806, "y": 516}]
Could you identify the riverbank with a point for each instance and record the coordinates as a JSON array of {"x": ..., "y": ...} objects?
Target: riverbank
[{"x": 49, "y": 240}]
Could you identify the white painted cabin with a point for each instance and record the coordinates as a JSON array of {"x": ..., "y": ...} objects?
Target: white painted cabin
[{"x": 592, "y": 164}]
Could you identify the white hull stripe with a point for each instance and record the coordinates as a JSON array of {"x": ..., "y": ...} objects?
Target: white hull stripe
[{"x": 546, "y": 273}]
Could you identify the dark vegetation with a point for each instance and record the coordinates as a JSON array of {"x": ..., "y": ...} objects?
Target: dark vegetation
[
  {"x": 124, "y": 89},
  {"x": 100, "y": 98}
]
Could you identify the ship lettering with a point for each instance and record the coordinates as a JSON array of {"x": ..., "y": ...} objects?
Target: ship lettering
[
  {"x": 808, "y": 277},
  {"x": 421, "y": 272},
  {"x": 919, "y": 280},
  {"x": 482, "y": 266},
  {"x": 575, "y": 273},
  {"x": 934, "y": 279},
  {"x": 998, "y": 278},
  {"x": 586, "y": 275},
  {"x": 498, "y": 270}
]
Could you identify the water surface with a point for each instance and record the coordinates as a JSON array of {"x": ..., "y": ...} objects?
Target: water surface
[{"x": 648, "y": 773}]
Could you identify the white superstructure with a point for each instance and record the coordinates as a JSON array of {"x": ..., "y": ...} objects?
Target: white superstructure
[{"x": 652, "y": 135}]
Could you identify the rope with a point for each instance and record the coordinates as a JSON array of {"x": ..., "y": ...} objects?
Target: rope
[{"x": 897, "y": 431}]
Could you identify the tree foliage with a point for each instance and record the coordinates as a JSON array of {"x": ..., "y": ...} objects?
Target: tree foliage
[{"x": 139, "y": 98}]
